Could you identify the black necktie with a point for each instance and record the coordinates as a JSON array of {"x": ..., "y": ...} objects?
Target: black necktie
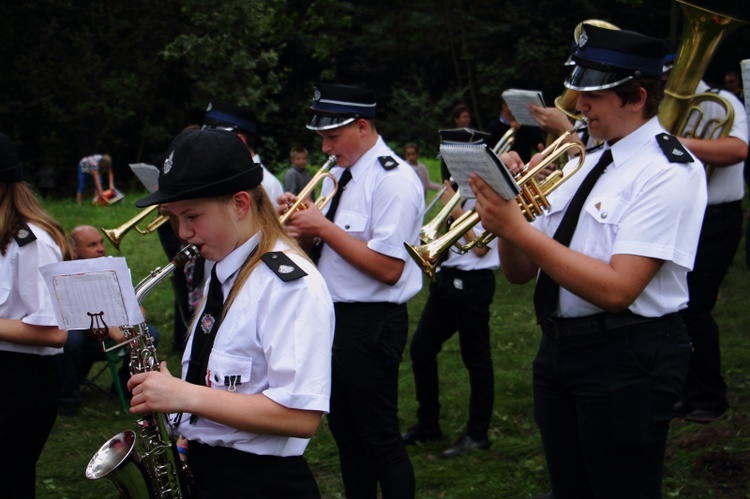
[
  {"x": 205, "y": 332},
  {"x": 547, "y": 291},
  {"x": 345, "y": 178}
]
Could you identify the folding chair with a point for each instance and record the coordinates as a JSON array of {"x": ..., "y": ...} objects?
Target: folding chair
[{"x": 112, "y": 361}]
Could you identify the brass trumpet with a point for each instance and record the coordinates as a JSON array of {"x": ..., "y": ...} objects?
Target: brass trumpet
[
  {"x": 532, "y": 200},
  {"x": 307, "y": 191},
  {"x": 115, "y": 235}
]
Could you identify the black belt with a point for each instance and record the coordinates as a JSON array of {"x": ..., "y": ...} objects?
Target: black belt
[{"x": 558, "y": 327}]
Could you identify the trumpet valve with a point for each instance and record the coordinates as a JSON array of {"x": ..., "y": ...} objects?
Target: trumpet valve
[{"x": 532, "y": 200}]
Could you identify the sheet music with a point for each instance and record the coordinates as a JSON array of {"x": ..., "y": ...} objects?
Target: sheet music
[
  {"x": 147, "y": 174},
  {"x": 464, "y": 159},
  {"x": 518, "y": 102},
  {"x": 80, "y": 287}
]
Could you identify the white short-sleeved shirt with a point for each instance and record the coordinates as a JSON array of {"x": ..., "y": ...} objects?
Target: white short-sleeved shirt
[
  {"x": 383, "y": 208},
  {"x": 23, "y": 294},
  {"x": 275, "y": 340},
  {"x": 641, "y": 205},
  {"x": 727, "y": 183},
  {"x": 270, "y": 183},
  {"x": 470, "y": 260}
]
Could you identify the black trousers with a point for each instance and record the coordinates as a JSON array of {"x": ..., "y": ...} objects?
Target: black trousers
[
  {"x": 367, "y": 347},
  {"x": 224, "y": 473},
  {"x": 458, "y": 301},
  {"x": 720, "y": 236},
  {"x": 30, "y": 395},
  {"x": 603, "y": 402}
]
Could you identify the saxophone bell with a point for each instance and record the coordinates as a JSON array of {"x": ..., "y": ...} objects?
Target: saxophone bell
[{"x": 145, "y": 464}]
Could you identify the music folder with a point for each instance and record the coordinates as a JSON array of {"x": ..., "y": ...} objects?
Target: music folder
[{"x": 464, "y": 159}]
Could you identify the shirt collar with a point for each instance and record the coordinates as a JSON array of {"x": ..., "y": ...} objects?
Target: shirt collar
[
  {"x": 626, "y": 147},
  {"x": 231, "y": 263}
]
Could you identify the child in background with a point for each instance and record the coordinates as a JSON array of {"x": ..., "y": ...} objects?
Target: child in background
[
  {"x": 411, "y": 155},
  {"x": 297, "y": 177}
]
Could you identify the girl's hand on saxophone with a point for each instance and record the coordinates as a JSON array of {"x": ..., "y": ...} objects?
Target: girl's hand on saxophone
[{"x": 157, "y": 391}]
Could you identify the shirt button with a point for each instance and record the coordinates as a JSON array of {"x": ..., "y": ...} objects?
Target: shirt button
[
  {"x": 346, "y": 227},
  {"x": 604, "y": 214}
]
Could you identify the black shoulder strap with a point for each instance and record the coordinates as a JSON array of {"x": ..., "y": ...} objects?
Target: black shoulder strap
[
  {"x": 283, "y": 266},
  {"x": 387, "y": 162},
  {"x": 23, "y": 234},
  {"x": 673, "y": 150}
]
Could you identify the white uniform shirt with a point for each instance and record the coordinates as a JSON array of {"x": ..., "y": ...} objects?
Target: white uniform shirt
[
  {"x": 470, "y": 260},
  {"x": 641, "y": 205},
  {"x": 727, "y": 183},
  {"x": 381, "y": 207},
  {"x": 23, "y": 293},
  {"x": 275, "y": 339},
  {"x": 270, "y": 183}
]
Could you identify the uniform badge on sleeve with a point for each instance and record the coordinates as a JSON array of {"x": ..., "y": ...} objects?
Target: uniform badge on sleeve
[
  {"x": 673, "y": 150},
  {"x": 387, "y": 162},
  {"x": 23, "y": 235},
  {"x": 283, "y": 266}
]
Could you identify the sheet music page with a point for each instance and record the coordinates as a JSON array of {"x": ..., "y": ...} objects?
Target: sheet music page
[
  {"x": 80, "y": 287},
  {"x": 518, "y": 102},
  {"x": 745, "y": 69},
  {"x": 464, "y": 159},
  {"x": 147, "y": 174}
]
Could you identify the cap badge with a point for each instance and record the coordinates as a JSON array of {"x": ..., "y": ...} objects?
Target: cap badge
[
  {"x": 168, "y": 163},
  {"x": 316, "y": 95},
  {"x": 583, "y": 38},
  {"x": 285, "y": 269}
]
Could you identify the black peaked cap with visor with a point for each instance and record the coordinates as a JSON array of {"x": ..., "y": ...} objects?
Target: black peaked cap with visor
[
  {"x": 605, "y": 58},
  {"x": 226, "y": 116},
  {"x": 203, "y": 164},
  {"x": 335, "y": 106}
]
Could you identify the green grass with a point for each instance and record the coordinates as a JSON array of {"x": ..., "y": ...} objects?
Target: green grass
[{"x": 704, "y": 461}]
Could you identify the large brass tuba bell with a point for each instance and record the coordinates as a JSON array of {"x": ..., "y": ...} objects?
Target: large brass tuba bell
[{"x": 702, "y": 34}]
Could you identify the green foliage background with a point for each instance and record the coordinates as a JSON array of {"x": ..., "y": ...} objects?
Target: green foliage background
[{"x": 94, "y": 76}]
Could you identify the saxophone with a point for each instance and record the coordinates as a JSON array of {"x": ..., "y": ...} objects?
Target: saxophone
[{"x": 152, "y": 469}]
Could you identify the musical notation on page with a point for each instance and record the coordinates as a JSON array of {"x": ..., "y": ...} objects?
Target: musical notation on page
[
  {"x": 464, "y": 159},
  {"x": 518, "y": 102}
]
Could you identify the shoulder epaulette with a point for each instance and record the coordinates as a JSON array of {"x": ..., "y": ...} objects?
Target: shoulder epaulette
[
  {"x": 673, "y": 150},
  {"x": 282, "y": 266},
  {"x": 387, "y": 162},
  {"x": 24, "y": 235}
]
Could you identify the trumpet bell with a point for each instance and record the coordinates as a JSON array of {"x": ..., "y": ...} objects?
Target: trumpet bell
[{"x": 115, "y": 235}]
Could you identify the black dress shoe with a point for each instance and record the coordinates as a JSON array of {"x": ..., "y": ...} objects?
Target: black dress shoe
[
  {"x": 704, "y": 415},
  {"x": 464, "y": 445},
  {"x": 418, "y": 434},
  {"x": 680, "y": 410}
]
